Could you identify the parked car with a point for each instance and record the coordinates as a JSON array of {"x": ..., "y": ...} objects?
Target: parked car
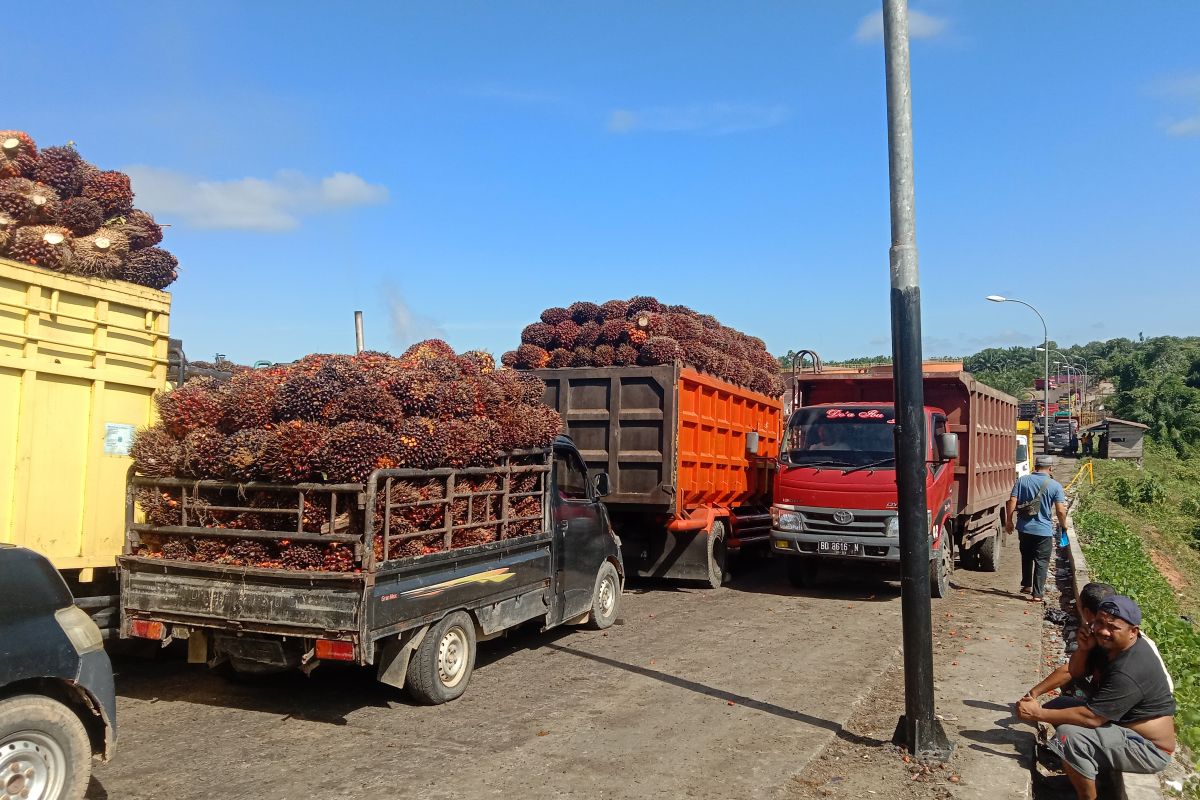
[{"x": 57, "y": 704}]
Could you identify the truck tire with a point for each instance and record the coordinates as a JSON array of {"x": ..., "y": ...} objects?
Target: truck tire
[
  {"x": 45, "y": 753},
  {"x": 441, "y": 667},
  {"x": 939, "y": 571},
  {"x": 802, "y": 572},
  {"x": 987, "y": 554},
  {"x": 717, "y": 555},
  {"x": 606, "y": 597}
]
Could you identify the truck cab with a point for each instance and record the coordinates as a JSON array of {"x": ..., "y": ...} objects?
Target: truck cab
[{"x": 835, "y": 494}]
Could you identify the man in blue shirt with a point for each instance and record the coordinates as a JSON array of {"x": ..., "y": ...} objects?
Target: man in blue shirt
[{"x": 1035, "y": 500}]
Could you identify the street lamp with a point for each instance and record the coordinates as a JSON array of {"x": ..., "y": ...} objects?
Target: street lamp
[
  {"x": 1083, "y": 389},
  {"x": 995, "y": 298}
]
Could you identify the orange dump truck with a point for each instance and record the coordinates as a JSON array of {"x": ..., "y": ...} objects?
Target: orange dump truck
[{"x": 690, "y": 457}]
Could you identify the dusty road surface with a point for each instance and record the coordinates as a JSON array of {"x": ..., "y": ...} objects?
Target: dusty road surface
[{"x": 698, "y": 693}]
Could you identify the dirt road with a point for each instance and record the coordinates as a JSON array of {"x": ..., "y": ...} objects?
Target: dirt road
[{"x": 699, "y": 693}]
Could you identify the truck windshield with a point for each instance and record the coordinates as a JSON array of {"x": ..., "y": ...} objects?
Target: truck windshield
[{"x": 853, "y": 435}]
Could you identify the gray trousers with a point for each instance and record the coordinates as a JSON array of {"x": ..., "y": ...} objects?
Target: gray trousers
[{"x": 1109, "y": 747}]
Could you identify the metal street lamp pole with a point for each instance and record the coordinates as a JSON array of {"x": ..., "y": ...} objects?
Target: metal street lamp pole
[
  {"x": 995, "y": 298},
  {"x": 919, "y": 730}
]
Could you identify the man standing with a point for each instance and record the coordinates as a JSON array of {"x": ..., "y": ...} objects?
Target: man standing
[
  {"x": 1128, "y": 724},
  {"x": 1034, "y": 499}
]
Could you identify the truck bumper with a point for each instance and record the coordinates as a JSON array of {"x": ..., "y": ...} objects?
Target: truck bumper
[{"x": 884, "y": 549}]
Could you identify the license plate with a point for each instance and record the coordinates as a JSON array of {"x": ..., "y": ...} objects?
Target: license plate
[{"x": 840, "y": 548}]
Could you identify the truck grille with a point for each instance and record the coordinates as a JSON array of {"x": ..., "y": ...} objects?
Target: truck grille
[{"x": 865, "y": 523}]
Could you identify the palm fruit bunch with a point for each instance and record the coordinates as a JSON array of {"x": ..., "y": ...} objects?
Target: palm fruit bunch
[
  {"x": 365, "y": 403},
  {"x": 61, "y": 169},
  {"x": 156, "y": 453},
  {"x": 110, "y": 189},
  {"x": 18, "y": 155},
  {"x": 474, "y": 441},
  {"x": 28, "y": 202},
  {"x": 56, "y": 187},
  {"x": 100, "y": 254},
  {"x": 249, "y": 553},
  {"x": 81, "y": 215},
  {"x": 43, "y": 246},
  {"x": 204, "y": 454},
  {"x": 248, "y": 399},
  {"x": 151, "y": 266},
  {"x": 644, "y": 331},
  {"x": 194, "y": 405},
  {"x": 293, "y": 455},
  {"x": 140, "y": 228},
  {"x": 8, "y": 226},
  {"x": 353, "y": 450},
  {"x": 245, "y": 454},
  {"x": 477, "y": 363}
]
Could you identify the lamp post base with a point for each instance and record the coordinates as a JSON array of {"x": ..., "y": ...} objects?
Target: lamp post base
[{"x": 929, "y": 744}]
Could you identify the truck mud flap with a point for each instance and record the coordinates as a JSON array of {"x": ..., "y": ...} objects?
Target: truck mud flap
[
  {"x": 240, "y": 599},
  {"x": 678, "y": 555}
]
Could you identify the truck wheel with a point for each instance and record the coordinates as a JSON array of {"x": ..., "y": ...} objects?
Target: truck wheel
[
  {"x": 717, "y": 555},
  {"x": 606, "y": 597},
  {"x": 441, "y": 668},
  {"x": 987, "y": 554},
  {"x": 45, "y": 753},
  {"x": 802, "y": 572},
  {"x": 939, "y": 572}
]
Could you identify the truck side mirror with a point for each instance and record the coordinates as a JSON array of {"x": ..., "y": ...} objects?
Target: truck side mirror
[
  {"x": 948, "y": 445},
  {"x": 602, "y": 484}
]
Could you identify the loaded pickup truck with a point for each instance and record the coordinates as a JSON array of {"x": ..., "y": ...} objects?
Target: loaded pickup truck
[{"x": 413, "y": 596}]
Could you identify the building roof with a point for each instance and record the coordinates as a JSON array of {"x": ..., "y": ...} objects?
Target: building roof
[{"x": 1104, "y": 423}]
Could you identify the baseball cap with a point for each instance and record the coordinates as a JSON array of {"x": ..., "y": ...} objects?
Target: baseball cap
[
  {"x": 1043, "y": 461},
  {"x": 1121, "y": 607}
]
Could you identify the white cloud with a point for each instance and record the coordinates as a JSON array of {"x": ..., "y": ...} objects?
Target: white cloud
[
  {"x": 260, "y": 204},
  {"x": 920, "y": 26},
  {"x": 1184, "y": 127},
  {"x": 711, "y": 119}
]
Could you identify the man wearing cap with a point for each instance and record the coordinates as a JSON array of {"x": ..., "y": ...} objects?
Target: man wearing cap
[
  {"x": 1128, "y": 724},
  {"x": 1035, "y": 498}
]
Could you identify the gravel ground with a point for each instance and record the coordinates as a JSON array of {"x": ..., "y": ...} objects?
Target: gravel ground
[{"x": 696, "y": 693}]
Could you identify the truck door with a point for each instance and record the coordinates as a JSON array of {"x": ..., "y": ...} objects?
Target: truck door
[{"x": 578, "y": 532}]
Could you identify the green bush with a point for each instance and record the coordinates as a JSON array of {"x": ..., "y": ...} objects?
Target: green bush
[
  {"x": 1190, "y": 506},
  {"x": 1116, "y": 555},
  {"x": 1123, "y": 491},
  {"x": 1152, "y": 492}
]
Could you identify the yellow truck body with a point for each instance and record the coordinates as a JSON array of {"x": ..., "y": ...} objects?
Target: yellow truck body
[
  {"x": 1025, "y": 428},
  {"x": 80, "y": 361}
]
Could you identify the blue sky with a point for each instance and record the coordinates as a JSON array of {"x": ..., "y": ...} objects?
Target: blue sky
[{"x": 453, "y": 168}]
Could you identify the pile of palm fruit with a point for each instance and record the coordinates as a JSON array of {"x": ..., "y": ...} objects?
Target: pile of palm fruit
[
  {"x": 645, "y": 332},
  {"x": 60, "y": 212},
  {"x": 334, "y": 419}
]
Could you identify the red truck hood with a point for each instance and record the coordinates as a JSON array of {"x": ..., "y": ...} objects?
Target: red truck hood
[{"x": 830, "y": 488}]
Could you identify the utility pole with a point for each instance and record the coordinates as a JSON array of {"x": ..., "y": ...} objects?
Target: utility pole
[{"x": 918, "y": 730}]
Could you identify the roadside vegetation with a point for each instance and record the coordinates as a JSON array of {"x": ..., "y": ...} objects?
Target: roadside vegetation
[{"x": 1140, "y": 531}]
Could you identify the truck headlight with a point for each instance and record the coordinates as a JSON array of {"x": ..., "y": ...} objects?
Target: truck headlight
[
  {"x": 80, "y": 629},
  {"x": 787, "y": 520},
  {"x": 892, "y": 526}
]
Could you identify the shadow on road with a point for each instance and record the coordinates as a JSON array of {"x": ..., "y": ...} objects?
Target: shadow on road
[
  {"x": 328, "y": 695},
  {"x": 721, "y": 694},
  {"x": 861, "y": 582}
]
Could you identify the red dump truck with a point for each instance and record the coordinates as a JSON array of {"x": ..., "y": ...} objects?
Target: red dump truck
[
  {"x": 691, "y": 460},
  {"x": 835, "y": 495}
]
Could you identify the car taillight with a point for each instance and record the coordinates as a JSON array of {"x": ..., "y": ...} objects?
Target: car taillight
[
  {"x": 335, "y": 650},
  {"x": 146, "y": 629}
]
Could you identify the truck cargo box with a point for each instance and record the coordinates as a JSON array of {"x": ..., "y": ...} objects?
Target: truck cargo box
[
  {"x": 80, "y": 360},
  {"x": 670, "y": 437},
  {"x": 984, "y": 419}
]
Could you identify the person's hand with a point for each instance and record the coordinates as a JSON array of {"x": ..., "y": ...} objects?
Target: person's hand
[
  {"x": 1028, "y": 709},
  {"x": 1083, "y": 637},
  {"x": 1009, "y": 525}
]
